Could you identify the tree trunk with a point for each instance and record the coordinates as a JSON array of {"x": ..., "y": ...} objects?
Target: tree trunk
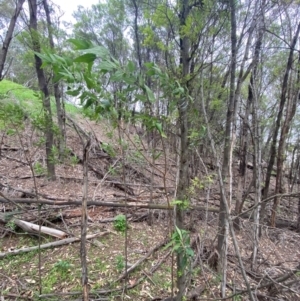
[
  {"x": 183, "y": 161},
  {"x": 278, "y": 121},
  {"x": 223, "y": 218},
  {"x": 298, "y": 224},
  {"x": 290, "y": 113},
  {"x": 8, "y": 36},
  {"x": 48, "y": 131},
  {"x": 59, "y": 107}
]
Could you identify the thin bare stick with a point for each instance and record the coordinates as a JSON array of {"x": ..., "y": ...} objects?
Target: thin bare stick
[
  {"x": 134, "y": 266},
  {"x": 84, "y": 215},
  {"x": 50, "y": 245}
]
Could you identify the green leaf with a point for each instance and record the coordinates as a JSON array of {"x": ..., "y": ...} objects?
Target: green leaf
[
  {"x": 74, "y": 92},
  {"x": 85, "y": 58},
  {"x": 89, "y": 81},
  {"x": 107, "y": 66},
  {"x": 105, "y": 103},
  {"x": 88, "y": 103},
  {"x": 99, "y": 51},
  {"x": 141, "y": 97},
  {"x": 158, "y": 126},
  {"x": 131, "y": 66},
  {"x": 130, "y": 80},
  {"x": 149, "y": 65},
  {"x": 189, "y": 252},
  {"x": 118, "y": 76},
  {"x": 150, "y": 94},
  {"x": 80, "y": 44},
  {"x": 179, "y": 232}
]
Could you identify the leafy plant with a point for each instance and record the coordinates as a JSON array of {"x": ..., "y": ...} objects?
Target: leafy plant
[
  {"x": 11, "y": 225},
  {"x": 120, "y": 223},
  {"x": 183, "y": 205},
  {"x": 180, "y": 243},
  {"x": 108, "y": 149},
  {"x": 120, "y": 263},
  {"x": 11, "y": 115},
  {"x": 54, "y": 154},
  {"x": 39, "y": 169},
  {"x": 62, "y": 267},
  {"x": 237, "y": 298},
  {"x": 74, "y": 160}
]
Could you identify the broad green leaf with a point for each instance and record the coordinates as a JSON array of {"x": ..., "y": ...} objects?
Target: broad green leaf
[
  {"x": 73, "y": 92},
  {"x": 118, "y": 76},
  {"x": 85, "y": 58},
  {"x": 88, "y": 103},
  {"x": 129, "y": 79},
  {"x": 131, "y": 66},
  {"x": 107, "y": 66},
  {"x": 89, "y": 81},
  {"x": 80, "y": 44},
  {"x": 141, "y": 97},
  {"x": 100, "y": 51},
  {"x": 149, "y": 65},
  {"x": 158, "y": 126},
  {"x": 105, "y": 102},
  {"x": 150, "y": 94}
]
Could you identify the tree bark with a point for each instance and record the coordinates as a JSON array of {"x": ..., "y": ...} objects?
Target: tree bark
[
  {"x": 48, "y": 131},
  {"x": 223, "y": 218},
  {"x": 290, "y": 113},
  {"x": 183, "y": 160},
  {"x": 277, "y": 123},
  {"x": 61, "y": 119},
  {"x": 8, "y": 36}
]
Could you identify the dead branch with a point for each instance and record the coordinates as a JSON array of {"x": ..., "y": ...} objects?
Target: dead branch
[
  {"x": 134, "y": 266},
  {"x": 50, "y": 244},
  {"x": 30, "y": 227},
  {"x": 84, "y": 222},
  {"x": 106, "y": 204}
]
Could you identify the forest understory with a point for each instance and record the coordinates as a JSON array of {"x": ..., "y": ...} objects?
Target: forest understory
[{"x": 125, "y": 182}]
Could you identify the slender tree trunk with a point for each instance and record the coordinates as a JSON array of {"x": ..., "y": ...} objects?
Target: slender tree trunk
[
  {"x": 8, "y": 36},
  {"x": 278, "y": 121},
  {"x": 48, "y": 131},
  {"x": 253, "y": 96},
  {"x": 290, "y": 113},
  {"x": 298, "y": 224},
  {"x": 183, "y": 161},
  {"x": 59, "y": 107},
  {"x": 223, "y": 218}
]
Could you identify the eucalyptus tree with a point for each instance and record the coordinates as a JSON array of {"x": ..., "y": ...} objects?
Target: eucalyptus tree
[
  {"x": 56, "y": 85},
  {"x": 43, "y": 85},
  {"x": 9, "y": 35}
]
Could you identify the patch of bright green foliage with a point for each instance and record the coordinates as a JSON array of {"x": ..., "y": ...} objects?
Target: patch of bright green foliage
[
  {"x": 120, "y": 223},
  {"x": 18, "y": 103}
]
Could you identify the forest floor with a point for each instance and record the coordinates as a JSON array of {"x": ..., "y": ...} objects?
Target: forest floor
[{"x": 124, "y": 177}]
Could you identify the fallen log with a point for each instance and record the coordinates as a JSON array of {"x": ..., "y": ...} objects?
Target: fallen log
[
  {"x": 50, "y": 244},
  {"x": 106, "y": 204},
  {"x": 30, "y": 227}
]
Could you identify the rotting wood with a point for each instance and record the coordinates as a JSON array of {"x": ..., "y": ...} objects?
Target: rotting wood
[{"x": 51, "y": 244}]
